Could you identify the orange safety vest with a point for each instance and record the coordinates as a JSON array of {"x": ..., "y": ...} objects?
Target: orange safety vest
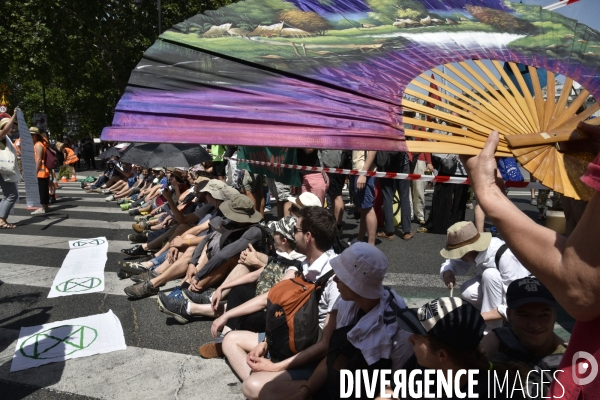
[
  {"x": 43, "y": 172},
  {"x": 70, "y": 157}
]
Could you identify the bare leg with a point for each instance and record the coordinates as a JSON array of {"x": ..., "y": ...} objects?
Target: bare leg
[
  {"x": 255, "y": 383},
  {"x": 175, "y": 270},
  {"x": 218, "y": 274},
  {"x": 368, "y": 225},
  {"x": 338, "y": 210},
  {"x": 236, "y": 345}
]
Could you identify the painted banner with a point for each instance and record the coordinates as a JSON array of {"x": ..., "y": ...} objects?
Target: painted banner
[
  {"x": 271, "y": 155},
  {"x": 64, "y": 340},
  {"x": 28, "y": 162},
  {"x": 82, "y": 271}
]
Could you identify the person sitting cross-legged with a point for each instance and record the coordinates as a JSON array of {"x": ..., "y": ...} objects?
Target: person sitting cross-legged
[
  {"x": 242, "y": 310},
  {"x": 314, "y": 233},
  {"x": 367, "y": 336}
]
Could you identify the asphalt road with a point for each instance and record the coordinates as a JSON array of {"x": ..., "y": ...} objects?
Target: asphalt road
[{"x": 161, "y": 359}]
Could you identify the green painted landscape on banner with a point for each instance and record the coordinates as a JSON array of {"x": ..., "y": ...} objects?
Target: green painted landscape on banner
[{"x": 287, "y": 176}]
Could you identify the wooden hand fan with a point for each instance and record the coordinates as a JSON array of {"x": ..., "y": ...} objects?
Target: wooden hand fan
[{"x": 530, "y": 127}]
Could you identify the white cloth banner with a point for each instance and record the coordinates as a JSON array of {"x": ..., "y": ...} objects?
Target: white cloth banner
[
  {"x": 63, "y": 340},
  {"x": 28, "y": 162},
  {"x": 82, "y": 271}
]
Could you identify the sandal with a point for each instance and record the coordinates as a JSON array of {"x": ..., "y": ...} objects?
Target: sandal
[
  {"x": 8, "y": 226},
  {"x": 422, "y": 230},
  {"x": 384, "y": 235}
]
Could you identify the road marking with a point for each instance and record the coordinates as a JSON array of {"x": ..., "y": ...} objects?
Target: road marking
[
  {"x": 74, "y": 208},
  {"x": 52, "y": 219},
  {"x": 53, "y": 242},
  {"x": 38, "y": 276},
  {"x": 134, "y": 373}
]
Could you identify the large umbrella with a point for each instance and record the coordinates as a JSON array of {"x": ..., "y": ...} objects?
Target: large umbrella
[
  {"x": 151, "y": 155},
  {"x": 338, "y": 74},
  {"x": 110, "y": 152}
]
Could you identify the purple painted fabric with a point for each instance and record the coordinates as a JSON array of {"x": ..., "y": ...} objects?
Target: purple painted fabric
[{"x": 328, "y": 74}]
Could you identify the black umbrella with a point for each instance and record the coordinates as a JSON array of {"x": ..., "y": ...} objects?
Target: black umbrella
[
  {"x": 110, "y": 152},
  {"x": 152, "y": 155}
]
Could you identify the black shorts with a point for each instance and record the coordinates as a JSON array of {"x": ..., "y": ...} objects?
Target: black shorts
[
  {"x": 219, "y": 168},
  {"x": 336, "y": 184}
]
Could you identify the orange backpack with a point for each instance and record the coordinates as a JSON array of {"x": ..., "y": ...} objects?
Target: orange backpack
[{"x": 293, "y": 316}]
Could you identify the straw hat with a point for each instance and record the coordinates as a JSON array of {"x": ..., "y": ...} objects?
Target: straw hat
[{"x": 462, "y": 238}]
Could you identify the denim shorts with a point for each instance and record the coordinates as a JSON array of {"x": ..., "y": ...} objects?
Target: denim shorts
[{"x": 365, "y": 198}]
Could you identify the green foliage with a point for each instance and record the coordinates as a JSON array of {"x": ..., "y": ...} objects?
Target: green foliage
[
  {"x": 80, "y": 52},
  {"x": 387, "y": 11}
]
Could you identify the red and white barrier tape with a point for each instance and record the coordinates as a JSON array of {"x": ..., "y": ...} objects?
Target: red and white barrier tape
[{"x": 389, "y": 175}]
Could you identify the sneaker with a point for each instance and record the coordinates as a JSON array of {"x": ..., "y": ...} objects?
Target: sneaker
[
  {"x": 109, "y": 198},
  {"x": 177, "y": 293},
  {"x": 98, "y": 190},
  {"x": 106, "y": 191},
  {"x": 135, "y": 251},
  {"x": 135, "y": 268},
  {"x": 177, "y": 308},
  {"x": 125, "y": 206},
  {"x": 135, "y": 211},
  {"x": 144, "y": 276},
  {"x": 198, "y": 297},
  {"x": 533, "y": 202},
  {"x": 41, "y": 210},
  {"x": 137, "y": 238},
  {"x": 140, "y": 218},
  {"x": 141, "y": 290},
  {"x": 212, "y": 349},
  {"x": 123, "y": 274}
]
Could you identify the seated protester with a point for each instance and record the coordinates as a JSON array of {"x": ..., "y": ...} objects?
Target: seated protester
[
  {"x": 209, "y": 207},
  {"x": 265, "y": 272},
  {"x": 530, "y": 336},
  {"x": 248, "y": 353},
  {"x": 144, "y": 204},
  {"x": 112, "y": 174},
  {"x": 145, "y": 185},
  {"x": 125, "y": 188},
  {"x": 306, "y": 199},
  {"x": 170, "y": 201},
  {"x": 202, "y": 213},
  {"x": 445, "y": 336},
  {"x": 221, "y": 249},
  {"x": 496, "y": 268},
  {"x": 366, "y": 336}
]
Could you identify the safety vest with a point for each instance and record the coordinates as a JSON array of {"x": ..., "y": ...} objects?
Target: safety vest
[
  {"x": 43, "y": 172},
  {"x": 70, "y": 157}
]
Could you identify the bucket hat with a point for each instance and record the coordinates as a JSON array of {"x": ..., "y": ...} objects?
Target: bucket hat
[
  {"x": 240, "y": 209},
  {"x": 285, "y": 227},
  {"x": 362, "y": 268}
]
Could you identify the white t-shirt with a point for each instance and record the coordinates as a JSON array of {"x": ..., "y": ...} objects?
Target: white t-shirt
[{"x": 312, "y": 273}]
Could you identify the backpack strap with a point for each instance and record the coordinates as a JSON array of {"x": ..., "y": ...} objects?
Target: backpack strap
[{"x": 501, "y": 250}]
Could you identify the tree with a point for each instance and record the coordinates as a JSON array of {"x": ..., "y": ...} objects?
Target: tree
[
  {"x": 307, "y": 21},
  {"x": 387, "y": 11},
  {"x": 501, "y": 20},
  {"x": 80, "y": 53}
]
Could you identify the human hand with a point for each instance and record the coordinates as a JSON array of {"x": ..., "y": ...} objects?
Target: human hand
[
  {"x": 429, "y": 167},
  {"x": 361, "y": 182},
  {"x": 449, "y": 279},
  {"x": 261, "y": 364},
  {"x": 251, "y": 258},
  {"x": 189, "y": 274},
  {"x": 482, "y": 168},
  {"x": 259, "y": 350},
  {"x": 178, "y": 242},
  {"x": 217, "y": 325},
  {"x": 172, "y": 254},
  {"x": 216, "y": 298},
  {"x": 589, "y": 145},
  {"x": 242, "y": 259},
  {"x": 194, "y": 285}
]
